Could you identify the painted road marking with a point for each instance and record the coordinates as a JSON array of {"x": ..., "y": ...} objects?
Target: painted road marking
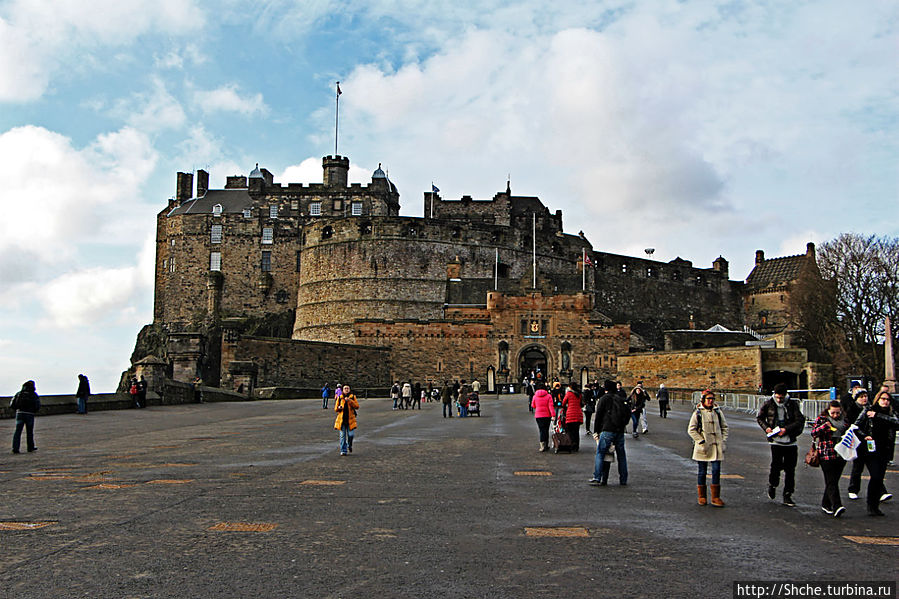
[
  {"x": 24, "y": 525},
  {"x": 732, "y": 476},
  {"x": 533, "y": 473},
  {"x": 170, "y": 481},
  {"x": 323, "y": 482},
  {"x": 873, "y": 540},
  {"x": 558, "y": 531},
  {"x": 244, "y": 527},
  {"x": 108, "y": 486}
]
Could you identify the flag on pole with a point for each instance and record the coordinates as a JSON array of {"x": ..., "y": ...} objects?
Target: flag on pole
[
  {"x": 338, "y": 88},
  {"x": 434, "y": 188},
  {"x": 587, "y": 259}
]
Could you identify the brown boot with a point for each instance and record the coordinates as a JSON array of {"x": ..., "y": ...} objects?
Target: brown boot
[
  {"x": 716, "y": 496},
  {"x": 701, "y": 490}
]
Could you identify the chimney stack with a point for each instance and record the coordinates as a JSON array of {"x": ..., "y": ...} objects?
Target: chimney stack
[
  {"x": 202, "y": 183},
  {"x": 184, "y": 187},
  {"x": 759, "y": 256}
]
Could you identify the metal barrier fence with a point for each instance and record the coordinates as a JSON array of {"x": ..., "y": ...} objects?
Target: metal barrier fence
[{"x": 750, "y": 403}]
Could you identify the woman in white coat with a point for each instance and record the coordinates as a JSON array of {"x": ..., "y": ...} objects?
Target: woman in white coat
[{"x": 708, "y": 429}]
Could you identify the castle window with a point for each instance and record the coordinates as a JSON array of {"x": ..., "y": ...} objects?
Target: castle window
[
  {"x": 215, "y": 261},
  {"x": 457, "y": 233},
  {"x": 502, "y": 271},
  {"x": 266, "y": 261},
  {"x": 624, "y": 269},
  {"x": 268, "y": 236},
  {"x": 356, "y": 208},
  {"x": 217, "y": 210},
  {"x": 281, "y": 296},
  {"x": 247, "y": 213},
  {"x": 294, "y": 205},
  {"x": 338, "y": 205},
  {"x": 327, "y": 232},
  {"x": 365, "y": 228},
  {"x": 675, "y": 276},
  {"x": 216, "y": 235},
  {"x": 699, "y": 281},
  {"x": 173, "y": 243},
  {"x": 496, "y": 237},
  {"x": 273, "y": 212},
  {"x": 411, "y": 232},
  {"x": 172, "y": 265},
  {"x": 650, "y": 272},
  {"x": 315, "y": 209}
]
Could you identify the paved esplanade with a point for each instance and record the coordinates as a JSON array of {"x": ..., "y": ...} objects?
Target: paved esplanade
[{"x": 140, "y": 503}]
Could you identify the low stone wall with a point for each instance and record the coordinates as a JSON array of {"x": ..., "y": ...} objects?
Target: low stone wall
[
  {"x": 301, "y": 393},
  {"x": 174, "y": 393},
  {"x": 722, "y": 369}
]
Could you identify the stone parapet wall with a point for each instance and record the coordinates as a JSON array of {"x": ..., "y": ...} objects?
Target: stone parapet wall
[{"x": 730, "y": 369}]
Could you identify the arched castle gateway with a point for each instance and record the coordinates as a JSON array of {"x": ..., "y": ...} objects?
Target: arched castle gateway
[{"x": 261, "y": 284}]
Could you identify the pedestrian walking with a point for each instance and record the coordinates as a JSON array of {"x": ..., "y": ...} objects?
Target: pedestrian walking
[
  {"x": 827, "y": 430},
  {"x": 26, "y": 403},
  {"x": 407, "y": 396},
  {"x": 638, "y": 401},
  {"x": 142, "y": 392},
  {"x": 663, "y": 399},
  {"x": 346, "y": 406},
  {"x": 853, "y": 406},
  {"x": 589, "y": 400},
  {"x": 544, "y": 412},
  {"x": 782, "y": 420},
  {"x": 574, "y": 415},
  {"x": 613, "y": 412},
  {"x": 446, "y": 395},
  {"x": 708, "y": 429},
  {"x": 877, "y": 429},
  {"x": 395, "y": 395},
  {"x": 83, "y": 393},
  {"x": 326, "y": 393}
]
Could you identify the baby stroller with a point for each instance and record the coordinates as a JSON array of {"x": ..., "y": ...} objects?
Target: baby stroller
[
  {"x": 474, "y": 404},
  {"x": 560, "y": 437}
]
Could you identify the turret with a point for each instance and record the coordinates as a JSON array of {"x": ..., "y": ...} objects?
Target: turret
[{"x": 335, "y": 169}]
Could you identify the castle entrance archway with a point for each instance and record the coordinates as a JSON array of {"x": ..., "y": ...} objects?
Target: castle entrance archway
[{"x": 532, "y": 358}]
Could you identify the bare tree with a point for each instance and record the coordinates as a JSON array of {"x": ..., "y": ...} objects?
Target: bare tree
[{"x": 843, "y": 311}]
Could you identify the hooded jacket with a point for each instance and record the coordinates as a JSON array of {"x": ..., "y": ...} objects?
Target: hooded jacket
[
  {"x": 543, "y": 404},
  {"x": 795, "y": 421}
]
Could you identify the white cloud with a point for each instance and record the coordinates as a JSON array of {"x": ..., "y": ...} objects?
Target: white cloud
[
  {"x": 38, "y": 38},
  {"x": 57, "y": 196},
  {"x": 153, "y": 110},
  {"x": 310, "y": 171},
  {"x": 89, "y": 297},
  {"x": 228, "y": 99}
]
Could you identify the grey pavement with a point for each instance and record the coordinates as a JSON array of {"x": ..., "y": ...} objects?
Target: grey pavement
[{"x": 145, "y": 503}]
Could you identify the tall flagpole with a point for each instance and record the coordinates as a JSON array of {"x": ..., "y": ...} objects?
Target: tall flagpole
[
  {"x": 336, "y": 118},
  {"x": 496, "y": 272},
  {"x": 534, "y": 214}
]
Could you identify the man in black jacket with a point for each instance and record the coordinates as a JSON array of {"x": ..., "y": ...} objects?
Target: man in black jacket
[
  {"x": 26, "y": 403},
  {"x": 782, "y": 420},
  {"x": 851, "y": 410},
  {"x": 613, "y": 412}
]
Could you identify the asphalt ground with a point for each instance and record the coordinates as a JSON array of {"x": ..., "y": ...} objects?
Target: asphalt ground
[{"x": 145, "y": 503}]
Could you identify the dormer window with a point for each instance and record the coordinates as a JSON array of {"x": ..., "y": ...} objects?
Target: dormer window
[
  {"x": 315, "y": 209},
  {"x": 356, "y": 208},
  {"x": 247, "y": 213},
  {"x": 217, "y": 210}
]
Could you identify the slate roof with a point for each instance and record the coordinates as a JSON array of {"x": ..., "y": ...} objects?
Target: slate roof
[
  {"x": 775, "y": 272},
  {"x": 232, "y": 201}
]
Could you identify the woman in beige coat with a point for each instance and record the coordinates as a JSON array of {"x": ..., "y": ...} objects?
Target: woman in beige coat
[{"x": 708, "y": 429}]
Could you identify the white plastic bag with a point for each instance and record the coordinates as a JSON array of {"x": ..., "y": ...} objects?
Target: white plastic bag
[{"x": 846, "y": 448}]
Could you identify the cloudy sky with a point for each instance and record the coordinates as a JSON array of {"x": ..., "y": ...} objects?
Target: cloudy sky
[{"x": 697, "y": 128}]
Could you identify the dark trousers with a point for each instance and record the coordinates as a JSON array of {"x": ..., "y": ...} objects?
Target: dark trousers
[
  {"x": 783, "y": 459},
  {"x": 833, "y": 470},
  {"x": 574, "y": 429},
  {"x": 663, "y": 409},
  {"x": 543, "y": 428},
  {"x": 588, "y": 416},
  {"x": 27, "y": 421},
  {"x": 858, "y": 468},
  {"x": 447, "y": 407},
  {"x": 877, "y": 467}
]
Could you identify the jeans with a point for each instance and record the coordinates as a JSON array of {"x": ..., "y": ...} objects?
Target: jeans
[
  {"x": 543, "y": 428},
  {"x": 606, "y": 439},
  {"x": 27, "y": 421},
  {"x": 82, "y": 405},
  {"x": 447, "y": 407},
  {"x": 346, "y": 439},
  {"x": 704, "y": 468},
  {"x": 783, "y": 458},
  {"x": 833, "y": 470},
  {"x": 325, "y": 402}
]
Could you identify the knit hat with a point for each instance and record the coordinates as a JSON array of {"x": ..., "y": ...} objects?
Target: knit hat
[{"x": 859, "y": 391}]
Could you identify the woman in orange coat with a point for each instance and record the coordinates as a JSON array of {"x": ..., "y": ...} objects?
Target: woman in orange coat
[{"x": 346, "y": 406}]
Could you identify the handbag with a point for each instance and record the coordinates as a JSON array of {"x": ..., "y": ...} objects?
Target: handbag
[{"x": 812, "y": 458}]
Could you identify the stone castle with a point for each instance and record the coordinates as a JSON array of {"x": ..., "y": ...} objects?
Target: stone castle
[{"x": 264, "y": 285}]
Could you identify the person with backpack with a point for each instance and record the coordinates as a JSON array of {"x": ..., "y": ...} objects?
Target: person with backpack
[
  {"x": 26, "y": 403},
  {"x": 708, "y": 429},
  {"x": 346, "y": 406},
  {"x": 782, "y": 420},
  {"x": 613, "y": 412}
]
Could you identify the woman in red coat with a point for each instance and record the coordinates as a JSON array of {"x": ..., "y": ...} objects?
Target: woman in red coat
[{"x": 574, "y": 415}]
